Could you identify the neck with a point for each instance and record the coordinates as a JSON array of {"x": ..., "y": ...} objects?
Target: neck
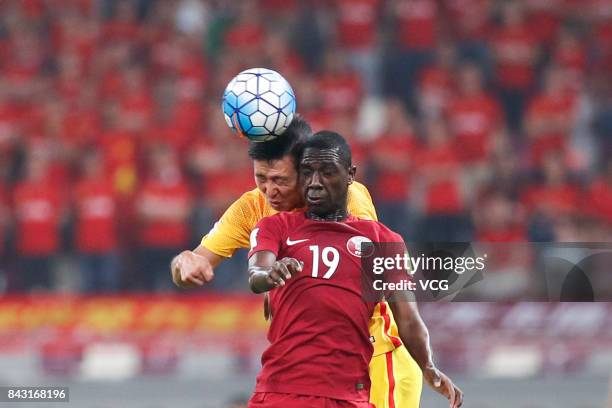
[{"x": 338, "y": 215}]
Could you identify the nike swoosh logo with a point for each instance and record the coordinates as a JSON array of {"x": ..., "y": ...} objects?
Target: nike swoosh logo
[{"x": 290, "y": 242}]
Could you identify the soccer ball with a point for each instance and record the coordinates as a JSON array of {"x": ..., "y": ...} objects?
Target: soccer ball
[{"x": 258, "y": 104}]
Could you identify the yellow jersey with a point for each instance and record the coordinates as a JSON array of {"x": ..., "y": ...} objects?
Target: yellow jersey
[{"x": 233, "y": 230}]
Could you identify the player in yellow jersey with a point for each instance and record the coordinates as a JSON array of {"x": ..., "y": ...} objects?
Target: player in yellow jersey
[{"x": 395, "y": 373}]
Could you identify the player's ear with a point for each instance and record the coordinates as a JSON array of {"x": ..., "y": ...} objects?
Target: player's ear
[{"x": 352, "y": 170}]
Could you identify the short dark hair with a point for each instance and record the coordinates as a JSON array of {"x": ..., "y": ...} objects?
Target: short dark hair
[
  {"x": 326, "y": 139},
  {"x": 283, "y": 145}
]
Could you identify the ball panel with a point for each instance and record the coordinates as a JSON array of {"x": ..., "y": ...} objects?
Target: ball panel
[
  {"x": 231, "y": 100},
  {"x": 258, "y": 119},
  {"x": 272, "y": 122},
  {"x": 267, "y": 108},
  {"x": 285, "y": 100},
  {"x": 239, "y": 87},
  {"x": 289, "y": 119},
  {"x": 243, "y": 123},
  {"x": 250, "y": 107},
  {"x": 263, "y": 86},
  {"x": 271, "y": 98},
  {"x": 278, "y": 87},
  {"x": 252, "y": 85}
]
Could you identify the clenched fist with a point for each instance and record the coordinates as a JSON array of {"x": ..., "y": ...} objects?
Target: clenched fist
[{"x": 190, "y": 269}]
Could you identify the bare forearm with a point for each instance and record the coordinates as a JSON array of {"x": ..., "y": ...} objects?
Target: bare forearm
[
  {"x": 266, "y": 273},
  {"x": 417, "y": 342},
  {"x": 413, "y": 332}
]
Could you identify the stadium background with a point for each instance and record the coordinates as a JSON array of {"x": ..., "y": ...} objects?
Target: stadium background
[{"x": 470, "y": 120}]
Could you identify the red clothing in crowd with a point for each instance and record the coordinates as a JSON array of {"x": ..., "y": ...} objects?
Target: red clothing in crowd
[
  {"x": 600, "y": 199},
  {"x": 121, "y": 30},
  {"x": 515, "y": 49},
  {"x": 573, "y": 58},
  {"x": 279, "y": 6},
  {"x": 603, "y": 40},
  {"x": 435, "y": 87},
  {"x": 81, "y": 127},
  {"x": 393, "y": 157},
  {"x": 4, "y": 214},
  {"x": 9, "y": 117},
  {"x": 37, "y": 209},
  {"x": 245, "y": 37},
  {"x": 439, "y": 166},
  {"x": 553, "y": 200},
  {"x": 543, "y": 19},
  {"x": 111, "y": 85},
  {"x": 340, "y": 92},
  {"x": 96, "y": 210},
  {"x": 174, "y": 136},
  {"x": 165, "y": 233},
  {"x": 554, "y": 109},
  {"x": 357, "y": 21},
  {"x": 120, "y": 150},
  {"x": 187, "y": 118},
  {"x": 509, "y": 234},
  {"x": 221, "y": 187},
  {"x": 192, "y": 76},
  {"x": 418, "y": 24},
  {"x": 470, "y": 18},
  {"x": 474, "y": 119},
  {"x": 138, "y": 104}
]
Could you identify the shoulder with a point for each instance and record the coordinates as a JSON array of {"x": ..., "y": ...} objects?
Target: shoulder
[
  {"x": 249, "y": 206},
  {"x": 357, "y": 188},
  {"x": 284, "y": 218},
  {"x": 250, "y": 199},
  {"x": 378, "y": 231},
  {"x": 360, "y": 202},
  {"x": 280, "y": 223}
]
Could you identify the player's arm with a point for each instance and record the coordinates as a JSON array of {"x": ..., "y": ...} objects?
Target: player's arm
[
  {"x": 194, "y": 268},
  {"x": 415, "y": 336},
  {"x": 266, "y": 273}
]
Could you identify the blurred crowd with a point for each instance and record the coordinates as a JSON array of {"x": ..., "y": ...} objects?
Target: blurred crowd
[{"x": 484, "y": 120}]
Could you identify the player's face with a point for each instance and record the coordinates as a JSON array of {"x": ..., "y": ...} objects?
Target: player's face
[
  {"x": 324, "y": 179},
  {"x": 278, "y": 181}
]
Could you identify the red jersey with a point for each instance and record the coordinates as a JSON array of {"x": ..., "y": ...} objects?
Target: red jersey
[
  {"x": 37, "y": 213},
  {"x": 96, "y": 214},
  {"x": 357, "y": 23},
  {"x": 515, "y": 49},
  {"x": 164, "y": 233},
  {"x": 320, "y": 343},
  {"x": 418, "y": 24},
  {"x": 4, "y": 214},
  {"x": 474, "y": 119}
]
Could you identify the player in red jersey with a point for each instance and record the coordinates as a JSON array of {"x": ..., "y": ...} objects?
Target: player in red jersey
[{"x": 320, "y": 344}]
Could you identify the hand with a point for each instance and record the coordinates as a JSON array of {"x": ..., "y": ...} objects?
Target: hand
[
  {"x": 190, "y": 269},
  {"x": 283, "y": 270},
  {"x": 443, "y": 385}
]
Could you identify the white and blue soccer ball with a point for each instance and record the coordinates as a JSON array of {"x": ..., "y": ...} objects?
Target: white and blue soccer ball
[{"x": 258, "y": 104}]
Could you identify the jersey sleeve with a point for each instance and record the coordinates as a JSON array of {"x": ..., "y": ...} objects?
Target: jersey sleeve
[
  {"x": 360, "y": 202},
  {"x": 232, "y": 230},
  {"x": 267, "y": 235}
]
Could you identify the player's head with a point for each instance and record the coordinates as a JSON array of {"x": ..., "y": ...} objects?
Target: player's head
[
  {"x": 326, "y": 170},
  {"x": 275, "y": 166}
]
